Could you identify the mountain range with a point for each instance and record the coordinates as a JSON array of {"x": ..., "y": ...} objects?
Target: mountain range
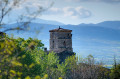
[{"x": 42, "y": 21}]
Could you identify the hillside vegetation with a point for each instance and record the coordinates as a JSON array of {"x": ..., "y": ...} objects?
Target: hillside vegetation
[{"x": 25, "y": 59}]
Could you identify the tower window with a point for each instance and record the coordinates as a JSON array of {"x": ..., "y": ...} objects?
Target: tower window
[
  {"x": 64, "y": 43},
  {"x": 69, "y": 36},
  {"x": 53, "y": 44}
]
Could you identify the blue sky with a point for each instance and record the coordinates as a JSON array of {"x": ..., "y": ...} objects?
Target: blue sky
[{"x": 74, "y": 11}]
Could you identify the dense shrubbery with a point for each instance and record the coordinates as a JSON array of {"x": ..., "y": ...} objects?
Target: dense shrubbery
[
  {"x": 115, "y": 72},
  {"x": 25, "y": 59}
]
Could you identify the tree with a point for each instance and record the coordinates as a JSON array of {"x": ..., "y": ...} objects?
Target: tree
[
  {"x": 23, "y": 18},
  {"x": 17, "y": 57},
  {"x": 84, "y": 68},
  {"x": 115, "y": 72},
  {"x": 19, "y": 60}
]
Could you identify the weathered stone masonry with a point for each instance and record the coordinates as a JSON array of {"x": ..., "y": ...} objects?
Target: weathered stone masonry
[{"x": 61, "y": 40}]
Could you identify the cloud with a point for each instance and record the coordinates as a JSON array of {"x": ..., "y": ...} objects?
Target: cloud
[
  {"x": 53, "y": 11},
  {"x": 107, "y": 1},
  {"x": 77, "y": 12}
]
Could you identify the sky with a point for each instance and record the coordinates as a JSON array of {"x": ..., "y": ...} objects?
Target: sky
[
  {"x": 82, "y": 11},
  {"x": 74, "y": 11}
]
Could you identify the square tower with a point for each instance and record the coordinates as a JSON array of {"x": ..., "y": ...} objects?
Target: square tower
[{"x": 61, "y": 40}]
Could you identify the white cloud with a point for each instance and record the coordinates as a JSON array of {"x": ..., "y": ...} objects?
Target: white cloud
[
  {"x": 54, "y": 9},
  {"x": 77, "y": 12},
  {"x": 69, "y": 11}
]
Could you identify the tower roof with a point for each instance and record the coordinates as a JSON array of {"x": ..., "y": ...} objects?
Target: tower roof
[{"x": 60, "y": 30}]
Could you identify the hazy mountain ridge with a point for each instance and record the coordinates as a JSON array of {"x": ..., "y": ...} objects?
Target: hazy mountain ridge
[
  {"x": 52, "y": 22},
  {"x": 106, "y": 24},
  {"x": 110, "y": 24}
]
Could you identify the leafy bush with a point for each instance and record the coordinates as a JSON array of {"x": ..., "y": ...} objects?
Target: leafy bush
[{"x": 115, "y": 72}]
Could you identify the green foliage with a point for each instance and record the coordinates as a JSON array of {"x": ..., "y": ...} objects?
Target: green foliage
[
  {"x": 25, "y": 59},
  {"x": 52, "y": 60},
  {"x": 115, "y": 72},
  {"x": 18, "y": 58}
]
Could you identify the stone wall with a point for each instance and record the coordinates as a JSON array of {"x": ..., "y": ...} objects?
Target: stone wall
[{"x": 61, "y": 41}]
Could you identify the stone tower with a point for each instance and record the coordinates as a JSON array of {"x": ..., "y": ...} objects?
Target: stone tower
[{"x": 61, "y": 42}]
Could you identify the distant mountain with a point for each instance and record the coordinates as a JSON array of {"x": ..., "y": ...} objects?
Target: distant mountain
[
  {"x": 110, "y": 24},
  {"x": 83, "y": 24},
  {"x": 106, "y": 24},
  {"x": 41, "y": 21}
]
